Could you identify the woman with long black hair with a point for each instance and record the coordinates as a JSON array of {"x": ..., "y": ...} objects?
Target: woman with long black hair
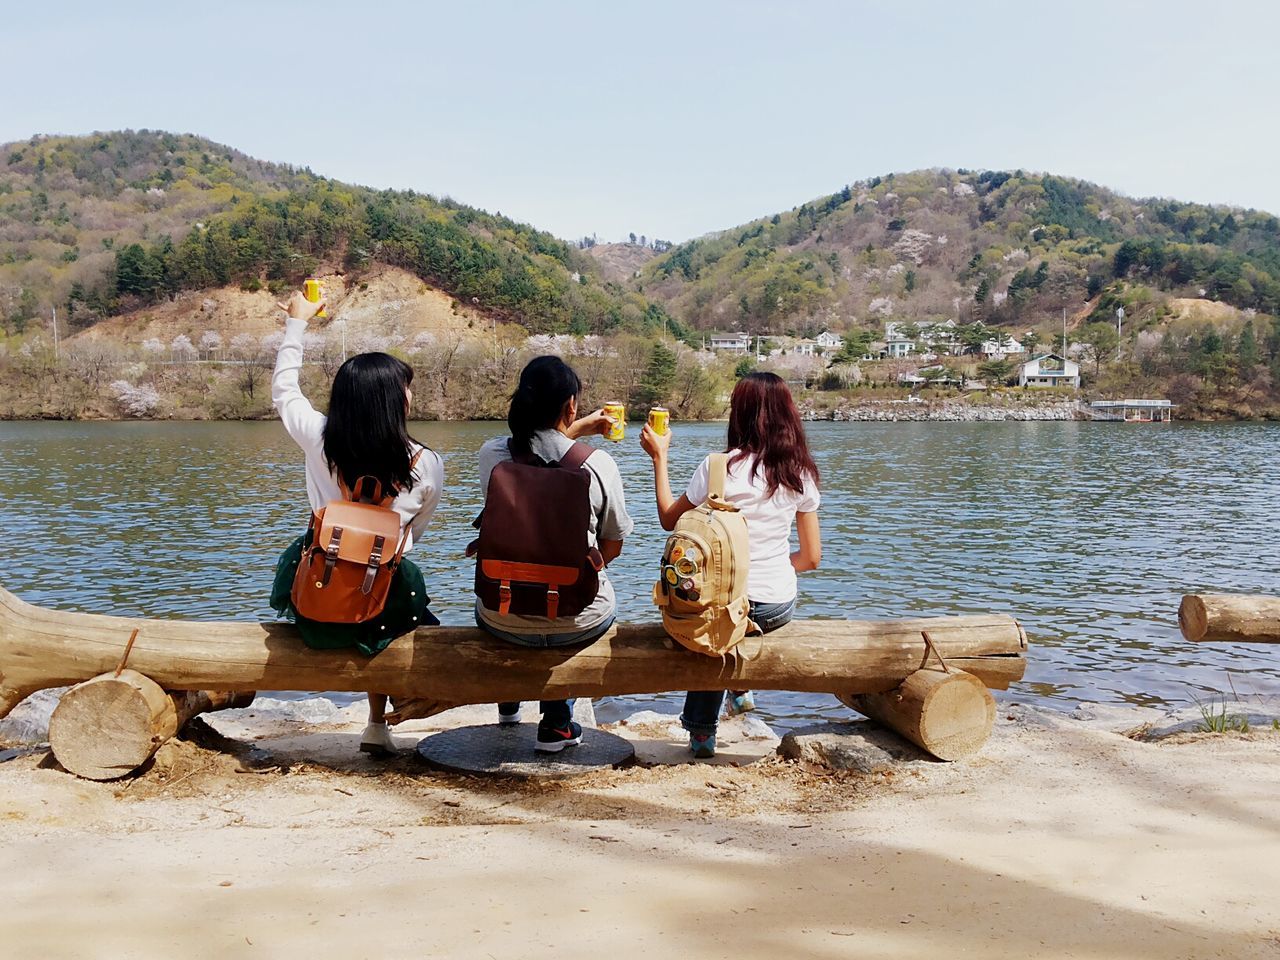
[
  {"x": 773, "y": 481},
  {"x": 526, "y": 530},
  {"x": 364, "y": 435}
]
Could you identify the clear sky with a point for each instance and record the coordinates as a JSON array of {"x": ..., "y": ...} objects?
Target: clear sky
[{"x": 672, "y": 119}]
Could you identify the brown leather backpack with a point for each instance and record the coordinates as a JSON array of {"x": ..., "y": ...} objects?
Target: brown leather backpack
[
  {"x": 350, "y": 555},
  {"x": 532, "y": 555}
]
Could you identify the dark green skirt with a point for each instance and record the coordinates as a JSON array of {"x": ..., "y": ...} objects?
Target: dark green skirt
[{"x": 406, "y": 609}]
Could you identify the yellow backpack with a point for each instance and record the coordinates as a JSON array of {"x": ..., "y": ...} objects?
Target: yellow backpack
[{"x": 702, "y": 591}]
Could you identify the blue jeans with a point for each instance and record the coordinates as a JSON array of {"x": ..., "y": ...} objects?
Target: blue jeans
[
  {"x": 702, "y": 707},
  {"x": 555, "y": 713}
]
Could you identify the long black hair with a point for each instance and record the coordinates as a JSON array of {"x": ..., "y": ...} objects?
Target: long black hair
[
  {"x": 366, "y": 434},
  {"x": 546, "y": 385}
]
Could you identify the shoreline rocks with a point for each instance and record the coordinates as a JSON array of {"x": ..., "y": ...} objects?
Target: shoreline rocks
[{"x": 953, "y": 411}]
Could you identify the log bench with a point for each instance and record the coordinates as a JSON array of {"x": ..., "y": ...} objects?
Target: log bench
[{"x": 947, "y": 705}]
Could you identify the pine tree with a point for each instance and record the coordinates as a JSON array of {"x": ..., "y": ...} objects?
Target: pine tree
[{"x": 659, "y": 374}]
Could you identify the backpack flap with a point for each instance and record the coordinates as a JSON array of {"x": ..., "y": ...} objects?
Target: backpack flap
[
  {"x": 359, "y": 533},
  {"x": 507, "y": 572}
]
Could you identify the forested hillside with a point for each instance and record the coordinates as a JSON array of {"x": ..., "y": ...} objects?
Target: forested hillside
[
  {"x": 1007, "y": 248},
  {"x": 161, "y": 254},
  {"x": 102, "y": 224}
]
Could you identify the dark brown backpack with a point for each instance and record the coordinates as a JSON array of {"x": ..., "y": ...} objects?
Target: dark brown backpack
[{"x": 533, "y": 556}]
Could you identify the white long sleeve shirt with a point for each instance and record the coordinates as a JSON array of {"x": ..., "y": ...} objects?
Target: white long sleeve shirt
[{"x": 305, "y": 424}]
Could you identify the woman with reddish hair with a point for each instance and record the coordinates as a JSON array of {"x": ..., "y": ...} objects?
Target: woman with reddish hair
[{"x": 773, "y": 481}]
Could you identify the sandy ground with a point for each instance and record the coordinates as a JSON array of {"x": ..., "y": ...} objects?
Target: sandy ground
[{"x": 1061, "y": 838}]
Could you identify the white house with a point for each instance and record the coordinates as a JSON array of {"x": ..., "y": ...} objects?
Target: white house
[
  {"x": 898, "y": 347},
  {"x": 829, "y": 341},
  {"x": 804, "y": 348},
  {"x": 941, "y": 337},
  {"x": 732, "y": 342},
  {"x": 996, "y": 349},
  {"x": 1049, "y": 370}
]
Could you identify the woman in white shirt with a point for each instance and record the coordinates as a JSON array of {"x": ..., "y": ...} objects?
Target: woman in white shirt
[
  {"x": 773, "y": 481},
  {"x": 364, "y": 434}
]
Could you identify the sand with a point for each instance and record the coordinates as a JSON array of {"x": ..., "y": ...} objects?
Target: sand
[{"x": 1062, "y": 838}]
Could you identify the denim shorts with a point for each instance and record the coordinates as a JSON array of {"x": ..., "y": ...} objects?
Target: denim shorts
[{"x": 770, "y": 616}]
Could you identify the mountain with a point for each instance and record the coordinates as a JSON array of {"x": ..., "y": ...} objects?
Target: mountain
[
  {"x": 102, "y": 224},
  {"x": 163, "y": 254},
  {"x": 1007, "y": 248}
]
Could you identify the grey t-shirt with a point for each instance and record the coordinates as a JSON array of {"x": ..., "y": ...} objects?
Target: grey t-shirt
[{"x": 608, "y": 521}]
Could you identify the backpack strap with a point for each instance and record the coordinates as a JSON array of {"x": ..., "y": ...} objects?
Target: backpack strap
[
  {"x": 371, "y": 492},
  {"x": 368, "y": 489},
  {"x": 576, "y": 456},
  {"x": 717, "y": 471}
]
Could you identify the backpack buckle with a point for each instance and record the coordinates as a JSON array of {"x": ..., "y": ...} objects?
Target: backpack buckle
[
  {"x": 375, "y": 561},
  {"x": 504, "y": 597},
  {"x": 331, "y": 556},
  {"x": 553, "y": 602}
]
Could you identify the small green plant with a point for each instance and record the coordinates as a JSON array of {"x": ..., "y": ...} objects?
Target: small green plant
[{"x": 1217, "y": 720}]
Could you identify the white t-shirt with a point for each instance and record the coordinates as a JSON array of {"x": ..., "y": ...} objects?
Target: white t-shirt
[{"x": 771, "y": 578}]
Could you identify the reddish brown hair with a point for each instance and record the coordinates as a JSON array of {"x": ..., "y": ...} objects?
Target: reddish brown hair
[{"x": 763, "y": 420}]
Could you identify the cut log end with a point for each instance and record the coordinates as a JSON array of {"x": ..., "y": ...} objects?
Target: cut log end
[
  {"x": 948, "y": 714},
  {"x": 109, "y": 726},
  {"x": 1230, "y": 618},
  {"x": 1191, "y": 617}
]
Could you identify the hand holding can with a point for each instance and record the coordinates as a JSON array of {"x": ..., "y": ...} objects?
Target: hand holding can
[
  {"x": 311, "y": 290},
  {"x": 616, "y": 412}
]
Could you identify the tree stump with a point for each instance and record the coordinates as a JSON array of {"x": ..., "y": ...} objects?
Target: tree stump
[
  {"x": 949, "y": 714},
  {"x": 109, "y": 726}
]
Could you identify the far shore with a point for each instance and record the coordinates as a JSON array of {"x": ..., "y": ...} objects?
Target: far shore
[{"x": 868, "y": 411}]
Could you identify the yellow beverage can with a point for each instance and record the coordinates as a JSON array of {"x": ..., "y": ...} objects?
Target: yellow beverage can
[
  {"x": 659, "y": 418},
  {"x": 618, "y": 413},
  {"x": 312, "y": 291}
]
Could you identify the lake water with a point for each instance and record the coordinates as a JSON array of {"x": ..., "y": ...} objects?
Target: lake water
[{"x": 1088, "y": 533}]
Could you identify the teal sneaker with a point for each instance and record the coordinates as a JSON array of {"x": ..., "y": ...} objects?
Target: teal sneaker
[
  {"x": 702, "y": 745},
  {"x": 740, "y": 702}
]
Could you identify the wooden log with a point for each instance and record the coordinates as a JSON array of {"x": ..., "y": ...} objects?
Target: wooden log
[
  {"x": 1230, "y": 618},
  {"x": 110, "y": 725},
  {"x": 948, "y": 714},
  {"x": 44, "y": 648}
]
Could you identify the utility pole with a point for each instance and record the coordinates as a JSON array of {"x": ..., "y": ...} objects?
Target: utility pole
[
  {"x": 1064, "y": 332},
  {"x": 57, "y": 344}
]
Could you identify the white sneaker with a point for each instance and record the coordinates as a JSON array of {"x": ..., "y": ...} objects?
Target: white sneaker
[
  {"x": 508, "y": 719},
  {"x": 376, "y": 740}
]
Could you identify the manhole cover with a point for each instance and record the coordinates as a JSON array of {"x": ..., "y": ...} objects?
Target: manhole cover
[{"x": 508, "y": 752}]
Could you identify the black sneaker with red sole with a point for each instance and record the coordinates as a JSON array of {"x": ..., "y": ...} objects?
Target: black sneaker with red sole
[{"x": 555, "y": 739}]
